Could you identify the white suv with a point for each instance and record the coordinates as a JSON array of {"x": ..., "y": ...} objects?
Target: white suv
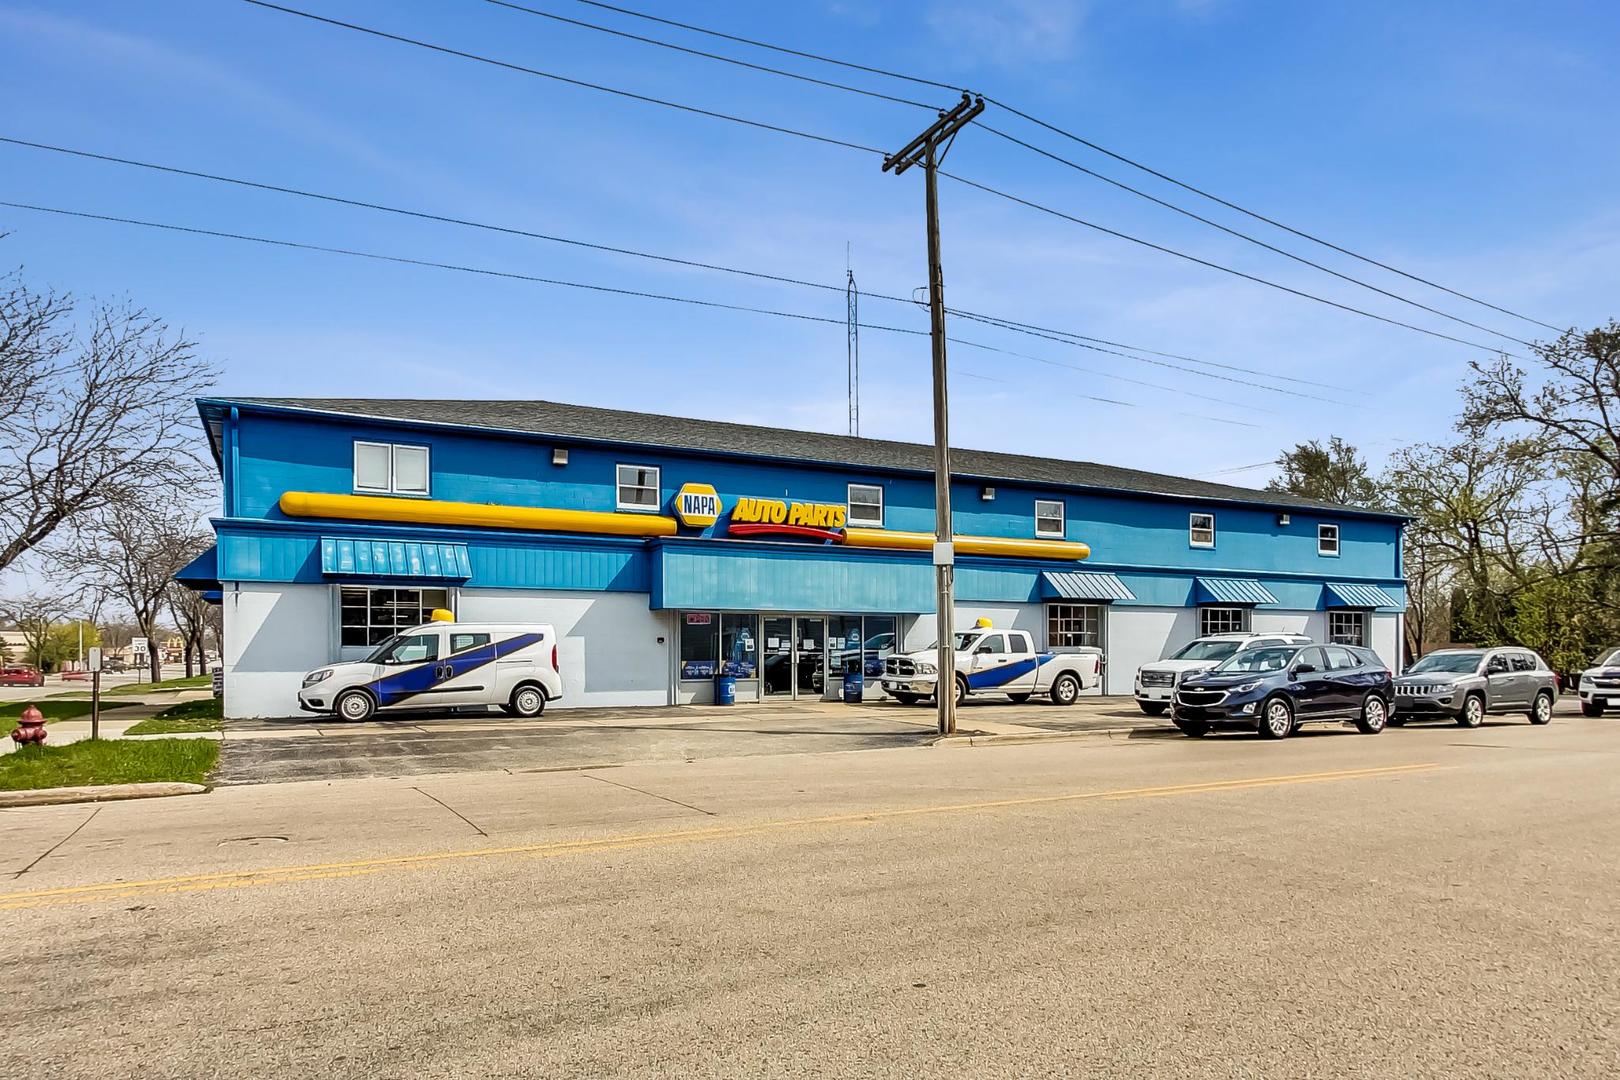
[{"x": 1156, "y": 682}]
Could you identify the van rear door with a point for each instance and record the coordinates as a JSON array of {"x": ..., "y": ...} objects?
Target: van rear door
[{"x": 466, "y": 672}]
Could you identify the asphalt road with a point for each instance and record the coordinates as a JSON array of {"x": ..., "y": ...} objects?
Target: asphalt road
[{"x": 1431, "y": 902}]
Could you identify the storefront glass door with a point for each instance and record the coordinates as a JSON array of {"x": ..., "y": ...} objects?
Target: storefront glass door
[
  {"x": 810, "y": 640},
  {"x": 777, "y": 657}
]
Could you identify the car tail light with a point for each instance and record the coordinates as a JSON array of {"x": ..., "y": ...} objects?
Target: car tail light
[{"x": 554, "y": 665}]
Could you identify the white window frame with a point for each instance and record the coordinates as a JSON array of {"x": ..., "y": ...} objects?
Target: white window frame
[
  {"x": 1242, "y": 620},
  {"x": 850, "y": 504},
  {"x": 1193, "y": 530},
  {"x": 657, "y": 487},
  {"x": 452, "y": 596},
  {"x": 393, "y": 472},
  {"x": 1359, "y": 617},
  {"x": 1322, "y": 547},
  {"x": 1062, "y": 516}
]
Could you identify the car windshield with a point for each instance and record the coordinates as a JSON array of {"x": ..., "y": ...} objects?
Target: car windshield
[
  {"x": 1207, "y": 650},
  {"x": 1451, "y": 663},
  {"x": 1612, "y": 659},
  {"x": 1269, "y": 658}
]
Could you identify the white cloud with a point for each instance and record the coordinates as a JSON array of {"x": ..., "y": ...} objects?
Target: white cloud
[{"x": 1010, "y": 32}]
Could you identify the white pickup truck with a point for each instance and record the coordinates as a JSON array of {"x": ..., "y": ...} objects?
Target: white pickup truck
[{"x": 990, "y": 661}]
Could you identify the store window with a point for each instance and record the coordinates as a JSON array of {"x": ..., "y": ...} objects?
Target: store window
[
  {"x": 880, "y": 643},
  {"x": 390, "y": 468},
  {"x": 739, "y": 645},
  {"x": 1222, "y": 620},
  {"x": 1068, "y": 625},
  {"x": 866, "y": 505},
  {"x": 1327, "y": 539},
  {"x": 1347, "y": 627},
  {"x": 1049, "y": 519},
  {"x": 367, "y": 615},
  {"x": 638, "y": 487},
  {"x": 700, "y": 644},
  {"x": 1201, "y": 530}
]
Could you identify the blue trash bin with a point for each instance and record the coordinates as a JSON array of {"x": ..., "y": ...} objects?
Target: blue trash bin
[
  {"x": 853, "y": 680},
  {"x": 725, "y": 690}
]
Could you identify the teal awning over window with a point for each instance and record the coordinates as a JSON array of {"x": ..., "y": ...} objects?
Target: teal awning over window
[
  {"x": 1090, "y": 585},
  {"x": 1222, "y": 590},
  {"x": 1343, "y": 595},
  {"x": 393, "y": 558}
]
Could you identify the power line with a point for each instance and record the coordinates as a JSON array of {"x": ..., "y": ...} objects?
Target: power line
[
  {"x": 616, "y": 250},
  {"x": 504, "y": 274},
  {"x": 1083, "y": 142},
  {"x": 1031, "y": 204},
  {"x": 648, "y": 99},
  {"x": 1016, "y": 141},
  {"x": 959, "y": 370}
]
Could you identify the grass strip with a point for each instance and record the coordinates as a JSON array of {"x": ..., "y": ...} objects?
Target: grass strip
[
  {"x": 51, "y": 709},
  {"x": 182, "y": 719},
  {"x": 195, "y": 682},
  {"x": 91, "y": 762}
]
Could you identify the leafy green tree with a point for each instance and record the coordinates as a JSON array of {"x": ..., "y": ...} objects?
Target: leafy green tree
[{"x": 1334, "y": 473}]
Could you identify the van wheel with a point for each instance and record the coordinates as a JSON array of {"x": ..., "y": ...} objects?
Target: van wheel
[
  {"x": 1473, "y": 711},
  {"x": 1066, "y": 690},
  {"x": 1276, "y": 719},
  {"x": 1541, "y": 711},
  {"x": 355, "y": 705},
  {"x": 1374, "y": 715},
  {"x": 528, "y": 701}
]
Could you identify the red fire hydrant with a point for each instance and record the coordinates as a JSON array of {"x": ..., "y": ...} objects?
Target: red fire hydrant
[{"x": 30, "y": 727}]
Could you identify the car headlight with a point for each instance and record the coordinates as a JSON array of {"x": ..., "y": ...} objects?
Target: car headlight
[
  {"x": 925, "y": 668},
  {"x": 317, "y": 676},
  {"x": 1247, "y": 688}
]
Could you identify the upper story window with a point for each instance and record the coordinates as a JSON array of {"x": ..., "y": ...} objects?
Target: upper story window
[
  {"x": 638, "y": 487},
  {"x": 1327, "y": 539},
  {"x": 1201, "y": 530},
  {"x": 866, "y": 505},
  {"x": 390, "y": 468},
  {"x": 1049, "y": 518}
]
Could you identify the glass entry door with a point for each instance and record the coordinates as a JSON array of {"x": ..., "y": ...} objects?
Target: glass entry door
[
  {"x": 810, "y": 666},
  {"x": 777, "y": 658}
]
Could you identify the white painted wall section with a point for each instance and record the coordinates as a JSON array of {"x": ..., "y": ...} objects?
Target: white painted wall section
[{"x": 274, "y": 635}]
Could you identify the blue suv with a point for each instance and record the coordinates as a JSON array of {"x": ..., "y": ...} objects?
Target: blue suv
[{"x": 1276, "y": 688}]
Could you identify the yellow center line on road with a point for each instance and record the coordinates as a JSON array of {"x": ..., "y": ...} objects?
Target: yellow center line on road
[{"x": 235, "y": 879}]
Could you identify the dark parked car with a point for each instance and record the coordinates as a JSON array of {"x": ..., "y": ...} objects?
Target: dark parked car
[
  {"x": 21, "y": 675},
  {"x": 1275, "y": 689}
]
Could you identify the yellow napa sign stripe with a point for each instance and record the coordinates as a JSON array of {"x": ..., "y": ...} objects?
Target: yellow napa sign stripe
[
  {"x": 484, "y": 515},
  {"x": 781, "y": 512}
]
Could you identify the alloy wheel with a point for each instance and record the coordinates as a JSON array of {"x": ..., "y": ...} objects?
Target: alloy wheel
[{"x": 1278, "y": 718}]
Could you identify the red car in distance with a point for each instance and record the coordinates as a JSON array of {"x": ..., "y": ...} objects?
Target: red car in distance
[{"x": 21, "y": 675}]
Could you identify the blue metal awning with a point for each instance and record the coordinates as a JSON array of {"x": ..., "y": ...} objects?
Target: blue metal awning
[
  {"x": 1083, "y": 585},
  {"x": 1225, "y": 590},
  {"x": 1342, "y": 594},
  {"x": 393, "y": 558},
  {"x": 202, "y": 573}
]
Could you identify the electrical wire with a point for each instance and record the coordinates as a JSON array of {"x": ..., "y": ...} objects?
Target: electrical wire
[
  {"x": 613, "y": 249},
  {"x": 648, "y": 99},
  {"x": 511, "y": 276},
  {"x": 1302, "y": 234}
]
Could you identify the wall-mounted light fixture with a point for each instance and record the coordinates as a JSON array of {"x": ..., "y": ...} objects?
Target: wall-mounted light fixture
[
  {"x": 1283, "y": 519},
  {"x": 559, "y": 456},
  {"x": 988, "y": 494}
]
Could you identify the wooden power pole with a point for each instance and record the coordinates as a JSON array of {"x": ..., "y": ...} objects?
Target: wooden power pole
[{"x": 928, "y": 150}]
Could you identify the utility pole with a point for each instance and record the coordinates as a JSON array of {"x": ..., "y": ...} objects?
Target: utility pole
[{"x": 928, "y": 150}]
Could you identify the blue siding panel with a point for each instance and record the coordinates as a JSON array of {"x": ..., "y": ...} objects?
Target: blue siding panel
[{"x": 760, "y": 579}]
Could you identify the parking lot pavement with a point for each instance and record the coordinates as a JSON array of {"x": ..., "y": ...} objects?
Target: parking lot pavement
[{"x": 280, "y": 750}]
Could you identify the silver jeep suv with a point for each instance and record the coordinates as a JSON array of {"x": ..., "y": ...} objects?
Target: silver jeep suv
[{"x": 1465, "y": 684}]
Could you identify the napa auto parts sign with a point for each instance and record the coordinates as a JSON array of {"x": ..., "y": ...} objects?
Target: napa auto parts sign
[{"x": 779, "y": 517}]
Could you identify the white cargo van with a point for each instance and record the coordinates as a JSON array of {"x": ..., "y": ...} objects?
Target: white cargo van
[{"x": 443, "y": 665}]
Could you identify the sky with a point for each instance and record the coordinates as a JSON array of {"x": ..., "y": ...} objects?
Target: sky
[{"x": 1465, "y": 142}]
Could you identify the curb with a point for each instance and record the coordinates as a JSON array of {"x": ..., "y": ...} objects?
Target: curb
[
  {"x": 970, "y": 739},
  {"x": 103, "y": 793}
]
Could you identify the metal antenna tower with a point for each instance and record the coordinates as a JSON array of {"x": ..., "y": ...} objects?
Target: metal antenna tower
[{"x": 852, "y": 297}]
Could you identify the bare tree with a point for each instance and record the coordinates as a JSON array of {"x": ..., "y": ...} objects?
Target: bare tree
[
  {"x": 97, "y": 409},
  {"x": 191, "y": 617},
  {"x": 128, "y": 552},
  {"x": 35, "y": 614}
]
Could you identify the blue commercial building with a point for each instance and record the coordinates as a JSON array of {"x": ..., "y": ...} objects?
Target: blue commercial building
[{"x": 666, "y": 549}]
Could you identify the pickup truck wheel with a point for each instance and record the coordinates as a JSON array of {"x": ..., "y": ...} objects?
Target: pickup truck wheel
[
  {"x": 1473, "y": 711},
  {"x": 1374, "y": 715},
  {"x": 961, "y": 689},
  {"x": 905, "y": 699},
  {"x": 1276, "y": 718},
  {"x": 1066, "y": 690},
  {"x": 1541, "y": 711},
  {"x": 1018, "y": 699},
  {"x": 355, "y": 705},
  {"x": 528, "y": 701},
  {"x": 1589, "y": 709},
  {"x": 1153, "y": 708}
]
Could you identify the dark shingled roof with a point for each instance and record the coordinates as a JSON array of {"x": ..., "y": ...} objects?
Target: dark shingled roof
[{"x": 679, "y": 433}]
